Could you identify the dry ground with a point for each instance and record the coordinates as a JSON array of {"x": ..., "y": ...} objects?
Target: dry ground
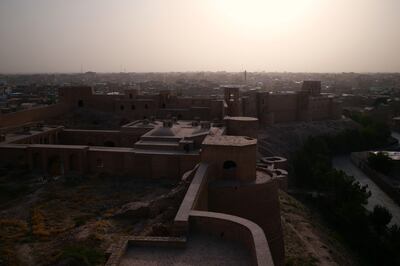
[
  {"x": 56, "y": 222},
  {"x": 307, "y": 240}
]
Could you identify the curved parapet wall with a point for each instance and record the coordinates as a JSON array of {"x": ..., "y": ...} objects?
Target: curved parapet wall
[
  {"x": 278, "y": 174},
  {"x": 282, "y": 177},
  {"x": 257, "y": 201},
  {"x": 237, "y": 229},
  {"x": 276, "y": 161},
  {"x": 242, "y": 126}
]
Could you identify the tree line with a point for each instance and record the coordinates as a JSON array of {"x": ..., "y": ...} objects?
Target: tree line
[{"x": 341, "y": 199}]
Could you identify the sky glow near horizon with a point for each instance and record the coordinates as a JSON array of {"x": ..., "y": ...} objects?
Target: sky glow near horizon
[{"x": 204, "y": 35}]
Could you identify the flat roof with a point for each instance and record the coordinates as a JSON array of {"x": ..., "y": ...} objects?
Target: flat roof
[
  {"x": 181, "y": 129},
  {"x": 226, "y": 140},
  {"x": 241, "y": 118},
  {"x": 19, "y": 135}
]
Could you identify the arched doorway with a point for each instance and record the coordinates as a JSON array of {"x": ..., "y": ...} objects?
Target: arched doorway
[{"x": 229, "y": 170}]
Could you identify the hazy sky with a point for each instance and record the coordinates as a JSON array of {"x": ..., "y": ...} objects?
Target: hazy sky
[{"x": 189, "y": 35}]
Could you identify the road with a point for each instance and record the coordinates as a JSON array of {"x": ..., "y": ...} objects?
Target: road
[
  {"x": 378, "y": 197},
  {"x": 396, "y": 135}
]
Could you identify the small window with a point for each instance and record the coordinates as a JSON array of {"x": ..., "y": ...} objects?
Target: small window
[
  {"x": 229, "y": 165},
  {"x": 130, "y": 96},
  {"x": 122, "y": 107},
  {"x": 229, "y": 170},
  {"x": 133, "y": 107},
  {"x": 80, "y": 103},
  {"x": 163, "y": 105},
  {"x": 146, "y": 106}
]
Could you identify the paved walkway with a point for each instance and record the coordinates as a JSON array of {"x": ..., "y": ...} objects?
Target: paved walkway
[{"x": 378, "y": 197}]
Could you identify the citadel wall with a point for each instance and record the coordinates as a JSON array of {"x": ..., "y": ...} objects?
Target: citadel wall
[{"x": 33, "y": 114}]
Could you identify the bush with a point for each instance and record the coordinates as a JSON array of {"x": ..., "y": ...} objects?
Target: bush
[
  {"x": 341, "y": 199},
  {"x": 80, "y": 255},
  {"x": 38, "y": 224},
  {"x": 12, "y": 191},
  {"x": 381, "y": 162},
  {"x": 380, "y": 217},
  {"x": 12, "y": 229}
]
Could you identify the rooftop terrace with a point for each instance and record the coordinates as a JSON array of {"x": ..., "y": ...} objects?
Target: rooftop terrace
[
  {"x": 229, "y": 140},
  {"x": 201, "y": 249}
]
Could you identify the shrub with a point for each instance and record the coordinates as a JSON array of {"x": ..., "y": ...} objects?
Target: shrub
[
  {"x": 380, "y": 162},
  {"x": 82, "y": 255},
  {"x": 341, "y": 199},
  {"x": 38, "y": 224},
  {"x": 380, "y": 217},
  {"x": 12, "y": 229}
]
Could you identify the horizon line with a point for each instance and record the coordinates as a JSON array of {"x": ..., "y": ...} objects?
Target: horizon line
[{"x": 200, "y": 71}]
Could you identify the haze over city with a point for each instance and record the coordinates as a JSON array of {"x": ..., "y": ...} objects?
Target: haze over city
[{"x": 210, "y": 35}]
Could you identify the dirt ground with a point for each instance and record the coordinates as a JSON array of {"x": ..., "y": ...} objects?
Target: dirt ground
[
  {"x": 75, "y": 219},
  {"x": 307, "y": 240}
]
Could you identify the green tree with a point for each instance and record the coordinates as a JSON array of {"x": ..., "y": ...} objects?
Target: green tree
[
  {"x": 380, "y": 217},
  {"x": 380, "y": 162}
]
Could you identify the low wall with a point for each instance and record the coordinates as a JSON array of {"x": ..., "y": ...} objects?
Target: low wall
[
  {"x": 195, "y": 198},
  {"x": 117, "y": 160},
  {"x": 234, "y": 228},
  {"x": 48, "y": 136},
  {"x": 34, "y": 114},
  {"x": 115, "y": 138},
  {"x": 189, "y": 217},
  {"x": 14, "y": 153},
  {"x": 256, "y": 201}
]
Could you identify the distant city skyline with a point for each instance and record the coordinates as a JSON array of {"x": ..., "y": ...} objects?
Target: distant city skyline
[{"x": 55, "y": 36}]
